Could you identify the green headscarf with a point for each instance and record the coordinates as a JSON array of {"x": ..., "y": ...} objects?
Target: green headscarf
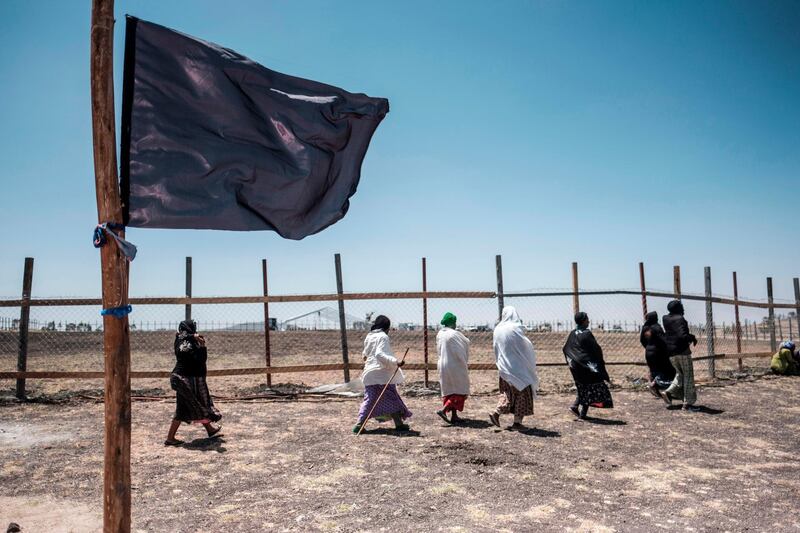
[{"x": 449, "y": 320}]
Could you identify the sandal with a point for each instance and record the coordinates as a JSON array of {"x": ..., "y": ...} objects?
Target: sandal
[
  {"x": 402, "y": 427},
  {"x": 356, "y": 429},
  {"x": 443, "y": 416},
  {"x": 173, "y": 442},
  {"x": 215, "y": 433},
  {"x": 494, "y": 418}
]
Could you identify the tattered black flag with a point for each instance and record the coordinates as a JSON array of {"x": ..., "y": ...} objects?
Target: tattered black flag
[{"x": 212, "y": 140}]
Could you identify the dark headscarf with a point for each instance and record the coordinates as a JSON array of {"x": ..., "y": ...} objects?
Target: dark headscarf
[
  {"x": 188, "y": 326},
  {"x": 381, "y": 323},
  {"x": 675, "y": 307},
  {"x": 581, "y": 317},
  {"x": 651, "y": 318}
]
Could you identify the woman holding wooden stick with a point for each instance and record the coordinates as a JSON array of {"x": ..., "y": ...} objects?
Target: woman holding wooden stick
[{"x": 381, "y": 376}]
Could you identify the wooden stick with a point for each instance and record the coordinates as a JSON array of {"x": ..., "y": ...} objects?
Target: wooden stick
[
  {"x": 644, "y": 289},
  {"x": 188, "y": 313},
  {"x": 773, "y": 341},
  {"x": 342, "y": 319},
  {"x": 709, "y": 323},
  {"x": 267, "y": 345},
  {"x": 738, "y": 325},
  {"x": 498, "y": 261},
  {"x": 425, "y": 320},
  {"x": 24, "y": 323},
  {"x": 363, "y": 424},
  {"x": 576, "y": 303},
  {"x": 116, "y": 342},
  {"x": 221, "y": 300}
]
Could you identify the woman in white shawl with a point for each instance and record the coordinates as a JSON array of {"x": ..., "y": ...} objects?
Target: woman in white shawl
[
  {"x": 379, "y": 367},
  {"x": 516, "y": 363},
  {"x": 453, "y": 349}
]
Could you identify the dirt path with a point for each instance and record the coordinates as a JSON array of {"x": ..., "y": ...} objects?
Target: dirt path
[{"x": 295, "y": 466}]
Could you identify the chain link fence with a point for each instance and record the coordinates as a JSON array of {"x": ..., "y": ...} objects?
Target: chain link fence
[{"x": 66, "y": 335}]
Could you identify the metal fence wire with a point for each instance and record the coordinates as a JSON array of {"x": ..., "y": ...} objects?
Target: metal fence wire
[{"x": 311, "y": 331}]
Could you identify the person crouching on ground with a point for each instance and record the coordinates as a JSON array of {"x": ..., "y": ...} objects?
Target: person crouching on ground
[
  {"x": 516, "y": 364},
  {"x": 656, "y": 355},
  {"x": 783, "y": 362},
  {"x": 188, "y": 380},
  {"x": 379, "y": 365},
  {"x": 453, "y": 349},
  {"x": 585, "y": 359},
  {"x": 678, "y": 339}
]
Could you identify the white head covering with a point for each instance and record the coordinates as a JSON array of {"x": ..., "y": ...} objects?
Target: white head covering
[
  {"x": 513, "y": 352},
  {"x": 509, "y": 314}
]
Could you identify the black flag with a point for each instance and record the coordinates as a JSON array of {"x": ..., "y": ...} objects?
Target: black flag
[{"x": 213, "y": 140}]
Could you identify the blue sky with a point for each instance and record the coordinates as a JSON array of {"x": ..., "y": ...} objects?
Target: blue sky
[{"x": 600, "y": 132}]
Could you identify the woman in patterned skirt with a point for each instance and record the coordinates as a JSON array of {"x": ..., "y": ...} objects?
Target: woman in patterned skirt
[
  {"x": 379, "y": 365},
  {"x": 585, "y": 359},
  {"x": 188, "y": 380},
  {"x": 516, "y": 364}
]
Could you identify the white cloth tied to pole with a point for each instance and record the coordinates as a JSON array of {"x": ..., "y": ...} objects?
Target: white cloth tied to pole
[
  {"x": 379, "y": 360},
  {"x": 453, "y": 349},
  {"x": 514, "y": 353}
]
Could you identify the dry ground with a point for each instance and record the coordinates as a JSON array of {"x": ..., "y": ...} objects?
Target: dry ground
[{"x": 294, "y": 466}]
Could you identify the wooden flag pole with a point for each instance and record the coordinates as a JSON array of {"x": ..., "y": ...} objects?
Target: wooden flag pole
[
  {"x": 364, "y": 423},
  {"x": 116, "y": 342}
]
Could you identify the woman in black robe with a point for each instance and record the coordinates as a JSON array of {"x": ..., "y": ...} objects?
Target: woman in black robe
[
  {"x": 656, "y": 354},
  {"x": 585, "y": 359},
  {"x": 188, "y": 380}
]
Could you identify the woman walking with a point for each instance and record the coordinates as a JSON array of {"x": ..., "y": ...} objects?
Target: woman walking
[
  {"x": 453, "y": 349},
  {"x": 678, "y": 339},
  {"x": 585, "y": 359},
  {"x": 516, "y": 363},
  {"x": 188, "y": 380},
  {"x": 379, "y": 365},
  {"x": 656, "y": 354}
]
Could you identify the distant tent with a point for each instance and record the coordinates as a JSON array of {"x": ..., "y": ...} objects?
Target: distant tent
[{"x": 323, "y": 318}]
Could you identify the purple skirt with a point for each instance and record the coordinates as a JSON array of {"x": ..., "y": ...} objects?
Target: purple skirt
[{"x": 390, "y": 404}]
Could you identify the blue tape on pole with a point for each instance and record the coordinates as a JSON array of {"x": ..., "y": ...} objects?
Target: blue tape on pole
[{"x": 117, "y": 312}]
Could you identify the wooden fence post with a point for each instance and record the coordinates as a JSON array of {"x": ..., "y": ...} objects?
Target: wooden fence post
[
  {"x": 498, "y": 260},
  {"x": 644, "y": 289},
  {"x": 773, "y": 341},
  {"x": 425, "y": 317},
  {"x": 24, "y": 321},
  {"x": 188, "y": 287},
  {"x": 342, "y": 320},
  {"x": 576, "y": 302},
  {"x": 267, "y": 347},
  {"x": 738, "y": 324},
  {"x": 676, "y": 281},
  {"x": 709, "y": 324},
  {"x": 796, "y": 282}
]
